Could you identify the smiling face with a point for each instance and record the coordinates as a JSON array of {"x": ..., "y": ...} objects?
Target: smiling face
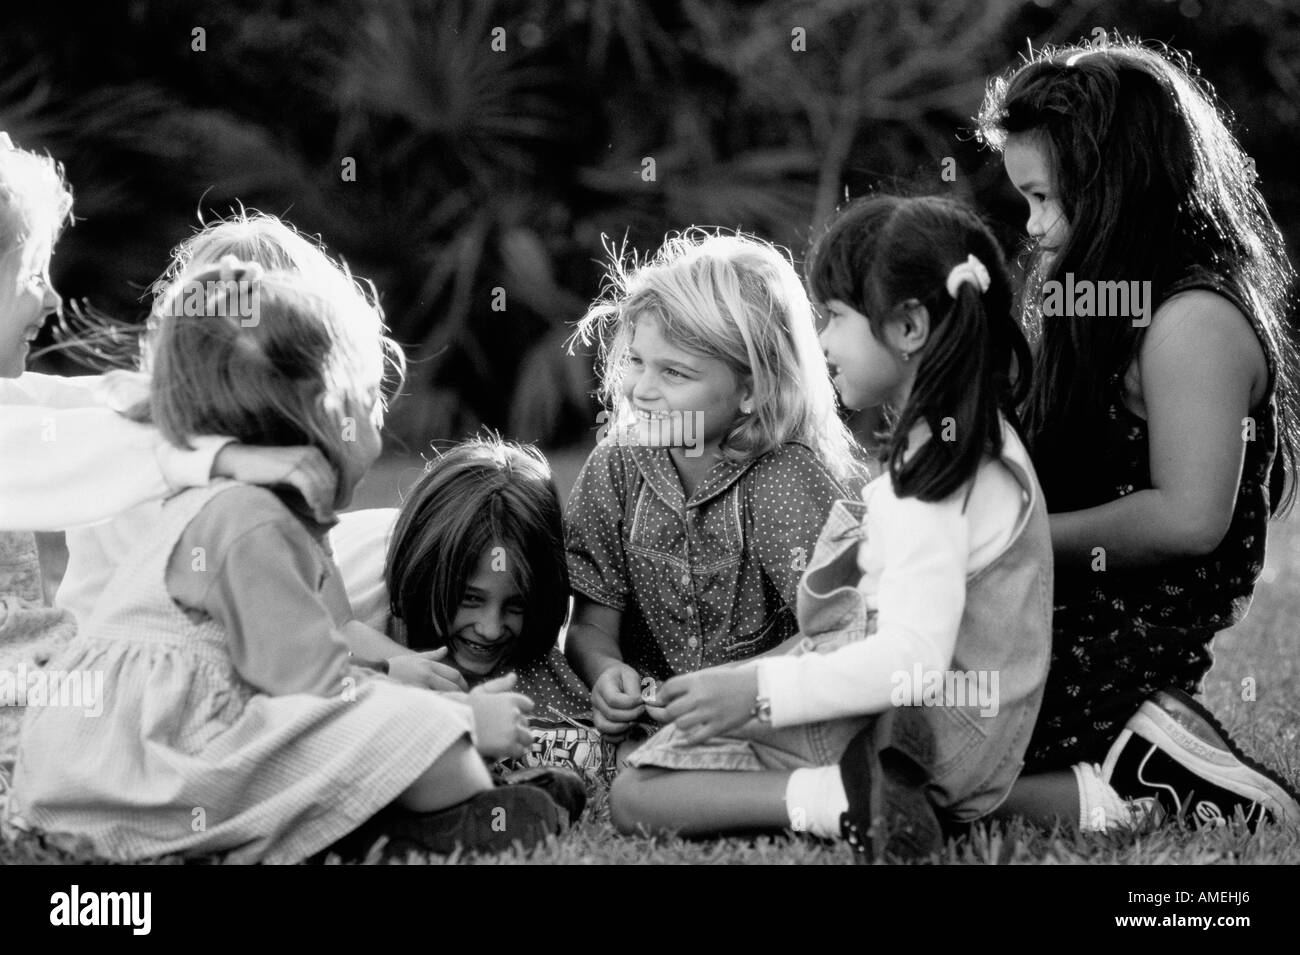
[
  {"x": 866, "y": 372},
  {"x": 663, "y": 382},
  {"x": 26, "y": 297},
  {"x": 487, "y": 624},
  {"x": 1030, "y": 171}
]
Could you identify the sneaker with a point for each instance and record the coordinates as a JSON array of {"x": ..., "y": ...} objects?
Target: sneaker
[
  {"x": 889, "y": 814},
  {"x": 492, "y": 821},
  {"x": 1174, "y": 750},
  {"x": 564, "y": 786},
  {"x": 1102, "y": 809}
]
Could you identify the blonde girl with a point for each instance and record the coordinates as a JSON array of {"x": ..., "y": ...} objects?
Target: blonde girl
[{"x": 692, "y": 520}]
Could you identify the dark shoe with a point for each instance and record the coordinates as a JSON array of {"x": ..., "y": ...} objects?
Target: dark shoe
[
  {"x": 1173, "y": 749},
  {"x": 492, "y": 821},
  {"x": 889, "y": 815},
  {"x": 565, "y": 787}
]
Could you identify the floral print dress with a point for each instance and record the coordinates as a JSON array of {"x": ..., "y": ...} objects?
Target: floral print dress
[{"x": 1119, "y": 635}]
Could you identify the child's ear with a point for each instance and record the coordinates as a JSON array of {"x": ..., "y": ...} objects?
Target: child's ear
[
  {"x": 747, "y": 395},
  {"x": 908, "y": 329}
]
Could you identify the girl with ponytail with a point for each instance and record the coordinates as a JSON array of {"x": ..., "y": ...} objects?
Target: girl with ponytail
[{"x": 945, "y": 563}]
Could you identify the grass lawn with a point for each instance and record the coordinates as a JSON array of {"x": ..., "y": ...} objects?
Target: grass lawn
[{"x": 1254, "y": 688}]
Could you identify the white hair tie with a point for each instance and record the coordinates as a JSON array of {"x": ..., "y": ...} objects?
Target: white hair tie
[
  {"x": 229, "y": 266},
  {"x": 972, "y": 270}
]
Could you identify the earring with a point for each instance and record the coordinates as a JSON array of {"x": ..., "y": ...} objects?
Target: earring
[{"x": 907, "y": 356}]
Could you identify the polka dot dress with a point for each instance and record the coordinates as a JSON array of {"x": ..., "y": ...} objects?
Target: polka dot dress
[
  {"x": 556, "y": 691},
  {"x": 703, "y": 580}
]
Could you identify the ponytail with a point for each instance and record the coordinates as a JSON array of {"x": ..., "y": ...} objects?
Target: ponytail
[{"x": 885, "y": 252}]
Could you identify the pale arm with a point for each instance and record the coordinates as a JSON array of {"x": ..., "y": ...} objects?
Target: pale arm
[
  {"x": 920, "y": 598},
  {"x": 61, "y": 468}
]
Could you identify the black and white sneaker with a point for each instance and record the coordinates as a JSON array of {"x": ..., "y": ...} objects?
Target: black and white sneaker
[{"x": 1174, "y": 750}]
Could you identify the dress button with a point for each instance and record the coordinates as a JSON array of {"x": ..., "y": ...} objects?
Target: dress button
[
  {"x": 690, "y": 611},
  {"x": 693, "y": 642},
  {"x": 686, "y": 580}
]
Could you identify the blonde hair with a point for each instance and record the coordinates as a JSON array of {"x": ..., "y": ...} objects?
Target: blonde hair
[
  {"x": 309, "y": 356},
  {"x": 737, "y": 299},
  {"x": 275, "y": 246},
  {"x": 250, "y": 236},
  {"x": 35, "y": 199}
]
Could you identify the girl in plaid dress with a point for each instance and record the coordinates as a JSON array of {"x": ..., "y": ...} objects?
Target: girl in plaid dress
[{"x": 232, "y": 719}]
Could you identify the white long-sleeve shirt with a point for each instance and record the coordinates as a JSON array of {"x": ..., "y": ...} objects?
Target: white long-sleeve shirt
[
  {"x": 914, "y": 562},
  {"x": 68, "y": 460}
]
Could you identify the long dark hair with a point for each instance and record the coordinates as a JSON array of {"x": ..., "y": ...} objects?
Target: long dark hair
[
  {"x": 481, "y": 494},
  {"x": 1154, "y": 186},
  {"x": 882, "y": 251}
]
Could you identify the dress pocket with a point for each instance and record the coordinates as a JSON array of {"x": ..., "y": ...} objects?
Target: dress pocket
[{"x": 777, "y": 629}]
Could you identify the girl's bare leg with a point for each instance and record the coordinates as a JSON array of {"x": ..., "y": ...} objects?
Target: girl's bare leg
[
  {"x": 698, "y": 803},
  {"x": 1043, "y": 799},
  {"x": 455, "y": 776}
]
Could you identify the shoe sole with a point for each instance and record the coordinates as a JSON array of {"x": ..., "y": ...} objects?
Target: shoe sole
[{"x": 1237, "y": 773}]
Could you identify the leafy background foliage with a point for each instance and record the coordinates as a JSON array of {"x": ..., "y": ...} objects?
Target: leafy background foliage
[{"x": 478, "y": 170}]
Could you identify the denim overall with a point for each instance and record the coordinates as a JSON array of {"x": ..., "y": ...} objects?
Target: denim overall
[{"x": 970, "y": 760}]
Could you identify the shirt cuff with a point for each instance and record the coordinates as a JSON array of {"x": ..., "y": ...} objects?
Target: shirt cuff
[
  {"x": 182, "y": 469},
  {"x": 596, "y": 595},
  {"x": 122, "y": 390}
]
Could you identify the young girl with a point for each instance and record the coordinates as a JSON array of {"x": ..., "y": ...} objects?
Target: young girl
[
  {"x": 233, "y": 722},
  {"x": 1163, "y": 433},
  {"x": 34, "y": 205},
  {"x": 476, "y": 570},
  {"x": 476, "y": 565},
  {"x": 924, "y": 621},
  {"x": 54, "y": 489},
  {"x": 692, "y": 521},
  {"x": 66, "y": 457}
]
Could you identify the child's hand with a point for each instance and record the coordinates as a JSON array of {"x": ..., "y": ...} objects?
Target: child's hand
[
  {"x": 302, "y": 468},
  {"x": 616, "y": 700},
  {"x": 650, "y": 696},
  {"x": 427, "y": 670},
  {"x": 710, "y": 703},
  {"x": 500, "y": 719}
]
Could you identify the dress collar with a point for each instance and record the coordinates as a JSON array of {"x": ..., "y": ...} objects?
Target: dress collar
[{"x": 657, "y": 467}]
